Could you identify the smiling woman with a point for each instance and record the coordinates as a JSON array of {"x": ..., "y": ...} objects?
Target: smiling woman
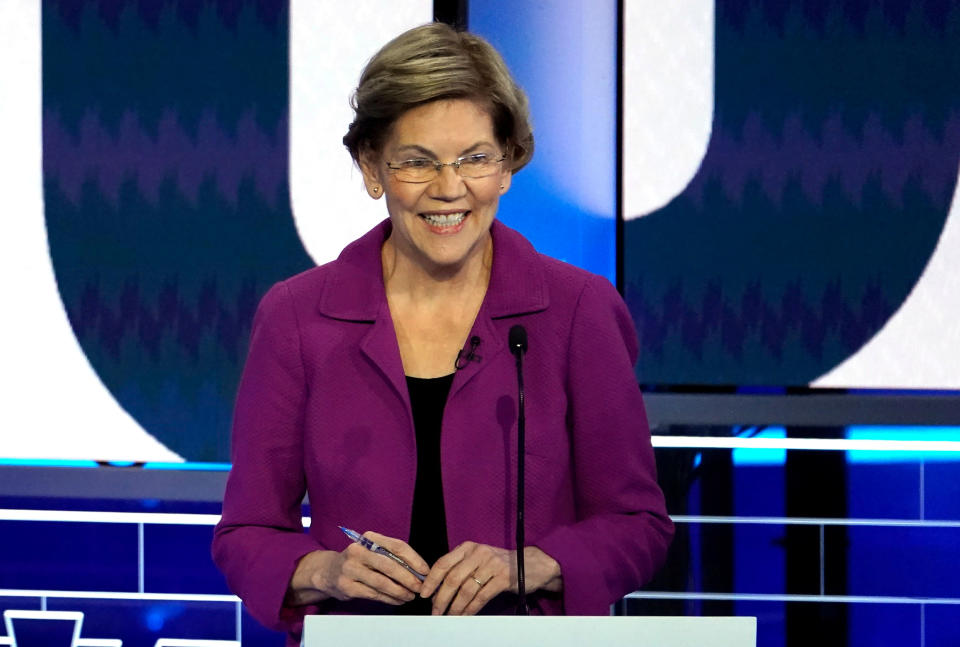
[
  {"x": 358, "y": 389},
  {"x": 441, "y": 219}
]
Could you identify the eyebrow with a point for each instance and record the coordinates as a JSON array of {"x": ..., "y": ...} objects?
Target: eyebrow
[{"x": 415, "y": 148}]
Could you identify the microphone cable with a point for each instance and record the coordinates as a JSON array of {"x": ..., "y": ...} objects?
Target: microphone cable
[{"x": 518, "y": 346}]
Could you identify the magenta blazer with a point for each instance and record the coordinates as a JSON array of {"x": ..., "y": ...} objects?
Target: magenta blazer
[{"x": 323, "y": 408}]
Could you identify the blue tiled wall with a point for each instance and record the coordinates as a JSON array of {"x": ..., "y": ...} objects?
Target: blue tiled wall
[
  {"x": 942, "y": 491},
  {"x": 880, "y": 547},
  {"x": 908, "y": 561},
  {"x": 140, "y": 622},
  {"x": 68, "y": 556},
  {"x": 177, "y": 560}
]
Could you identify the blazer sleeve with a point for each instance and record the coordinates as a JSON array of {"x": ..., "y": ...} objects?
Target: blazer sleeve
[
  {"x": 260, "y": 536},
  {"x": 623, "y": 531}
]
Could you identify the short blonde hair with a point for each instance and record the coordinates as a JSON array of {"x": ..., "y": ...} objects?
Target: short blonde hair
[{"x": 430, "y": 63}]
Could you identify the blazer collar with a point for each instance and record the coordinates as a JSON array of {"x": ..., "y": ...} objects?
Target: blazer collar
[{"x": 354, "y": 290}]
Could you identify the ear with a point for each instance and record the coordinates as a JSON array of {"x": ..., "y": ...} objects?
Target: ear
[
  {"x": 372, "y": 179},
  {"x": 505, "y": 179}
]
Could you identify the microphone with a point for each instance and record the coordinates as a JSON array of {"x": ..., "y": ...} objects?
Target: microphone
[
  {"x": 517, "y": 341},
  {"x": 471, "y": 356}
]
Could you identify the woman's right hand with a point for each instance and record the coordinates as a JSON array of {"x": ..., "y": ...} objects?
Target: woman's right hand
[{"x": 357, "y": 573}]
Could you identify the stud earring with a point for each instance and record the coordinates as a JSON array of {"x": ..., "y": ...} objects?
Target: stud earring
[{"x": 376, "y": 190}]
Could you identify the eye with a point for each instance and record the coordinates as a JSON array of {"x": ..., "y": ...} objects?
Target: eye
[
  {"x": 476, "y": 159},
  {"x": 417, "y": 163}
]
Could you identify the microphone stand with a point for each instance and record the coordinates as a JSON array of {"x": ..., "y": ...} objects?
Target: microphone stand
[{"x": 518, "y": 345}]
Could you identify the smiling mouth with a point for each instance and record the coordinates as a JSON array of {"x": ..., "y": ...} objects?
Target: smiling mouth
[{"x": 444, "y": 219}]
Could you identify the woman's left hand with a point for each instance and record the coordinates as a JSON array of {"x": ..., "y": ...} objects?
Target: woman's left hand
[{"x": 465, "y": 579}]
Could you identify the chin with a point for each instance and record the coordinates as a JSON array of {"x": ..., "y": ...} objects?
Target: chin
[{"x": 447, "y": 261}]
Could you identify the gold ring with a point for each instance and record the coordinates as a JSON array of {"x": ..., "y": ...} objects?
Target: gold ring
[{"x": 479, "y": 583}]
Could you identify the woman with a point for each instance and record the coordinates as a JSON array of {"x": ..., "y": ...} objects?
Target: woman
[{"x": 356, "y": 366}]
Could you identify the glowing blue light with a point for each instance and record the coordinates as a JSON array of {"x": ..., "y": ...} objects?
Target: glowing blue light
[
  {"x": 46, "y": 462},
  {"x": 52, "y": 462},
  {"x": 901, "y": 433},
  {"x": 564, "y": 201},
  {"x": 760, "y": 456},
  {"x": 200, "y": 467},
  {"x": 156, "y": 618}
]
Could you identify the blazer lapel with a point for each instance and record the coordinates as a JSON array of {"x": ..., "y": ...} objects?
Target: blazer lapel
[
  {"x": 354, "y": 292},
  {"x": 491, "y": 345},
  {"x": 380, "y": 346},
  {"x": 517, "y": 287}
]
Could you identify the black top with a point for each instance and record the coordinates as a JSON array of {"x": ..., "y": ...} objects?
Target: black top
[{"x": 428, "y": 524}]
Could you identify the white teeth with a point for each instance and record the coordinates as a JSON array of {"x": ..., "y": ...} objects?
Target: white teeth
[{"x": 445, "y": 220}]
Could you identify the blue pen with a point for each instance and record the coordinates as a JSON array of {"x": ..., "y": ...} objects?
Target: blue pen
[{"x": 377, "y": 548}]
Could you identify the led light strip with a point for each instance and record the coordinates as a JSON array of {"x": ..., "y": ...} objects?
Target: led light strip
[
  {"x": 838, "y": 444},
  {"x": 652, "y": 595},
  {"x": 180, "y": 642},
  {"x": 110, "y": 517},
  {"x": 774, "y": 597},
  {"x": 212, "y": 519},
  {"x": 99, "y": 642},
  {"x": 92, "y": 516},
  {"x": 812, "y": 521},
  {"x": 118, "y": 595},
  {"x": 27, "y": 614}
]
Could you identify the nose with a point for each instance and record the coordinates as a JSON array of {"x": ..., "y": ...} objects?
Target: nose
[{"x": 448, "y": 185}]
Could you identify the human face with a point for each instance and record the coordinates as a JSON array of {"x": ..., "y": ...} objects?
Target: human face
[{"x": 443, "y": 224}]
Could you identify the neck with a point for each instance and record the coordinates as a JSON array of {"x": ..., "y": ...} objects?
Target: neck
[{"x": 422, "y": 280}]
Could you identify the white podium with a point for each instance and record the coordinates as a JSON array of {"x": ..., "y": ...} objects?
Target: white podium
[{"x": 534, "y": 631}]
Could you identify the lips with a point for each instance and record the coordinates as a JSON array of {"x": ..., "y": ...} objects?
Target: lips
[{"x": 444, "y": 220}]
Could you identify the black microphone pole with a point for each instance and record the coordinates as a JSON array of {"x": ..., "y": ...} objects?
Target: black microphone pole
[{"x": 518, "y": 346}]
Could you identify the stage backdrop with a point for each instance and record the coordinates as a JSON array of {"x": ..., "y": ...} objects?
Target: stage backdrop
[
  {"x": 788, "y": 171},
  {"x": 818, "y": 242}
]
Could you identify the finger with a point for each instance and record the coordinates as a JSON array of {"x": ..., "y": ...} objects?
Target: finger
[
  {"x": 469, "y": 589},
  {"x": 454, "y": 582},
  {"x": 449, "y": 572},
  {"x": 438, "y": 572},
  {"x": 384, "y": 564},
  {"x": 368, "y": 574},
  {"x": 358, "y": 590},
  {"x": 401, "y": 549},
  {"x": 474, "y": 582},
  {"x": 360, "y": 562},
  {"x": 491, "y": 589},
  {"x": 395, "y": 572}
]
